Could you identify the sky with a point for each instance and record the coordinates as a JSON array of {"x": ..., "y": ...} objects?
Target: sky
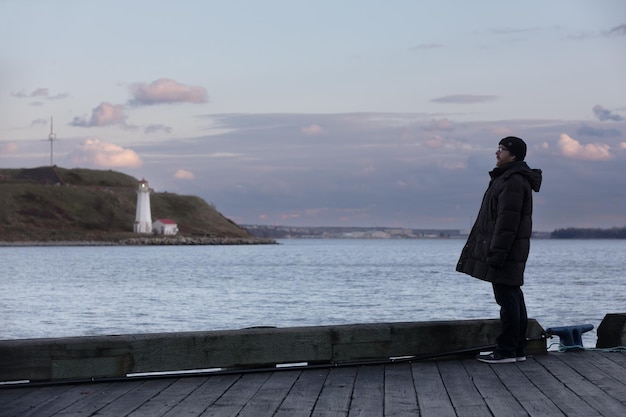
[{"x": 325, "y": 113}]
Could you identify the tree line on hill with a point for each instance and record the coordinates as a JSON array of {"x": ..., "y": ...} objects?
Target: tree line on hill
[{"x": 581, "y": 233}]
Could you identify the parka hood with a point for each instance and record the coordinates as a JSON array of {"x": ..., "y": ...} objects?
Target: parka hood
[{"x": 533, "y": 176}]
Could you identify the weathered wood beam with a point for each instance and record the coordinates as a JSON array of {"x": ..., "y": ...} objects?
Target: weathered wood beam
[
  {"x": 612, "y": 331},
  {"x": 117, "y": 356}
]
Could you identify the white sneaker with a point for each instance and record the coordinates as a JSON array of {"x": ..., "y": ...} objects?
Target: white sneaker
[{"x": 496, "y": 357}]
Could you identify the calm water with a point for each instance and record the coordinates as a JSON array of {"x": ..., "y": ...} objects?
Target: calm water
[{"x": 76, "y": 291}]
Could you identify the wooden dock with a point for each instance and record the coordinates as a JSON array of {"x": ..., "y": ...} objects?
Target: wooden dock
[{"x": 586, "y": 383}]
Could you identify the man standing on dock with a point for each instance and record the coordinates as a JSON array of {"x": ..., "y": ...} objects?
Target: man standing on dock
[{"x": 498, "y": 245}]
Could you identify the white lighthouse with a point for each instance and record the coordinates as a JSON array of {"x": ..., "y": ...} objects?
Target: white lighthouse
[{"x": 143, "y": 218}]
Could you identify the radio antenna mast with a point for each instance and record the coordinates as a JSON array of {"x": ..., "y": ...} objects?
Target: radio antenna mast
[{"x": 51, "y": 138}]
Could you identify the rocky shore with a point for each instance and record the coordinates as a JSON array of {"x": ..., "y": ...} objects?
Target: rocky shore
[
  {"x": 153, "y": 241},
  {"x": 180, "y": 240}
]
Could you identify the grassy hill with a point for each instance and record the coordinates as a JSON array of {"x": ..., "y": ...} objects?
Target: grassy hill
[{"x": 58, "y": 204}]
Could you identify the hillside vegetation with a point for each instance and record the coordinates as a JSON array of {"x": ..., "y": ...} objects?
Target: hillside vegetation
[
  {"x": 58, "y": 204},
  {"x": 582, "y": 233}
]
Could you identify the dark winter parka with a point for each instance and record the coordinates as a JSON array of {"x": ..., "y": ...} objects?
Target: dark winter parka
[{"x": 498, "y": 245}]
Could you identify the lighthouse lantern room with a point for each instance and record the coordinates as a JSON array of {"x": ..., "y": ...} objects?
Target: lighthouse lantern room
[{"x": 143, "y": 218}]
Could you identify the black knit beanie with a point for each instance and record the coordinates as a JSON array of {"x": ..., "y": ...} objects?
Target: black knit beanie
[{"x": 516, "y": 146}]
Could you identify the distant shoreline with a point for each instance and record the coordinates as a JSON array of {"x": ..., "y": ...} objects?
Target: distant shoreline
[{"x": 146, "y": 241}]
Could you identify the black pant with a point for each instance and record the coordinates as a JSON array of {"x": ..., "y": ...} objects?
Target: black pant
[{"x": 513, "y": 319}]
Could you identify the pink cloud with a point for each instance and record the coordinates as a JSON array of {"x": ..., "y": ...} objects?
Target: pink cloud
[
  {"x": 8, "y": 148},
  {"x": 591, "y": 151},
  {"x": 434, "y": 141},
  {"x": 500, "y": 131},
  {"x": 163, "y": 91},
  {"x": 106, "y": 114},
  {"x": 312, "y": 130},
  {"x": 94, "y": 152},
  {"x": 183, "y": 174}
]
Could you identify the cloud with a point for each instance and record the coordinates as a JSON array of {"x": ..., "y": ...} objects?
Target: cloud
[
  {"x": 434, "y": 141},
  {"x": 464, "y": 98},
  {"x": 511, "y": 30},
  {"x": 58, "y": 96},
  {"x": 165, "y": 91},
  {"x": 586, "y": 130},
  {"x": 160, "y": 91},
  {"x": 440, "y": 124},
  {"x": 39, "y": 122},
  {"x": 39, "y": 92},
  {"x": 453, "y": 165},
  {"x": 422, "y": 46},
  {"x": 155, "y": 128},
  {"x": 385, "y": 169},
  {"x": 7, "y": 148},
  {"x": 499, "y": 131},
  {"x": 605, "y": 114},
  {"x": 106, "y": 114},
  {"x": 581, "y": 36},
  {"x": 183, "y": 174},
  {"x": 617, "y": 30},
  {"x": 590, "y": 152},
  {"x": 312, "y": 130},
  {"x": 94, "y": 152}
]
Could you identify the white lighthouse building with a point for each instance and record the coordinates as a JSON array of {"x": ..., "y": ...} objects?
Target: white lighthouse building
[{"x": 143, "y": 218}]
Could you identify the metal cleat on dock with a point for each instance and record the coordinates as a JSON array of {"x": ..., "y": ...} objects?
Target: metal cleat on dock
[{"x": 570, "y": 336}]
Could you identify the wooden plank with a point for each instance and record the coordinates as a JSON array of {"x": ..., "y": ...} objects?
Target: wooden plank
[
  {"x": 167, "y": 398},
  {"x": 89, "y": 367},
  {"x": 400, "y": 395},
  {"x": 617, "y": 357},
  {"x": 614, "y": 363},
  {"x": 68, "y": 399},
  {"x": 237, "y": 396},
  {"x": 432, "y": 397},
  {"x": 120, "y": 355},
  {"x": 562, "y": 397},
  {"x": 95, "y": 397},
  {"x": 465, "y": 398},
  {"x": 589, "y": 384},
  {"x": 334, "y": 399},
  {"x": 368, "y": 397},
  {"x": 138, "y": 393},
  {"x": 36, "y": 399},
  {"x": 211, "y": 389},
  {"x": 585, "y": 389},
  {"x": 13, "y": 393},
  {"x": 523, "y": 389},
  {"x": 364, "y": 342},
  {"x": 266, "y": 400},
  {"x": 496, "y": 395},
  {"x": 607, "y": 376},
  {"x": 302, "y": 397}
]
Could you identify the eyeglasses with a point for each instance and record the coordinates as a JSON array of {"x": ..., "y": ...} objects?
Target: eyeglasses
[{"x": 501, "y": 149}]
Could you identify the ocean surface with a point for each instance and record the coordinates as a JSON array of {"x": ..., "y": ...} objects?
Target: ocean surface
[{"x": 102, "y": 290}]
